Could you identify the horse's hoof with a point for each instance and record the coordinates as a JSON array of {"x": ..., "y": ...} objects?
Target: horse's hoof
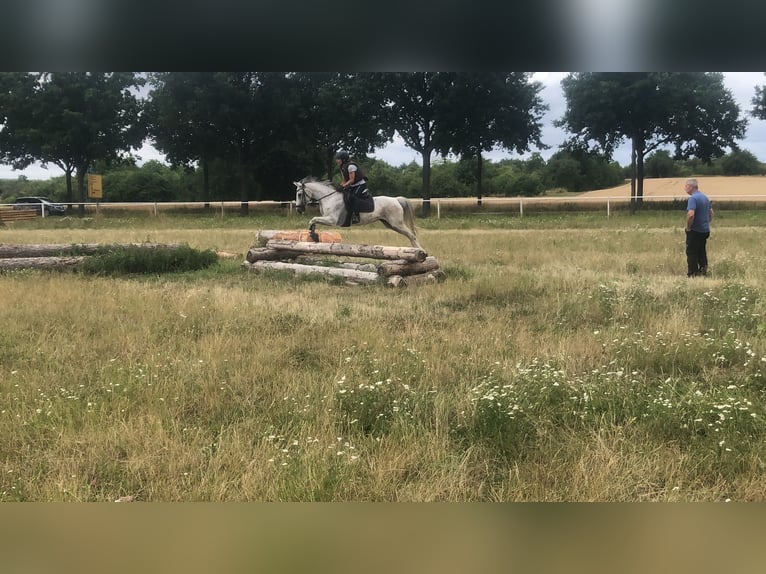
[{"x": 314, "y": 235}]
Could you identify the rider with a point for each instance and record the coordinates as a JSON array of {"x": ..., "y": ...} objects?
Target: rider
[{"x": 353, "y": 184}]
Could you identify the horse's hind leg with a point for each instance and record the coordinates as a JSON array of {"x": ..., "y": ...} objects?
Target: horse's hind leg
[{"x": 404, "y": 231}]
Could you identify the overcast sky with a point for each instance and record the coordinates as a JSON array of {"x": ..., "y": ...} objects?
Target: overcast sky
[{"x": 741, "y": 84}]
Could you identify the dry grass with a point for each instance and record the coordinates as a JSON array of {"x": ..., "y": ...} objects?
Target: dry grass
[
  {"x": 224, "y": 386},
  {"x": 718, "y": 187}
]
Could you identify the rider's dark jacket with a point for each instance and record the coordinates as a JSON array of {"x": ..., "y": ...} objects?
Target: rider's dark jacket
[{"x": 359, "y": 175}]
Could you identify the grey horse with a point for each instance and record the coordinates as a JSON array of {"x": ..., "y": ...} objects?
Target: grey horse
[{"x": 396, "y": 213}]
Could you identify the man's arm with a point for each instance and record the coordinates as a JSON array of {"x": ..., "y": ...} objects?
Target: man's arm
[{"x": 689, "y": 219}]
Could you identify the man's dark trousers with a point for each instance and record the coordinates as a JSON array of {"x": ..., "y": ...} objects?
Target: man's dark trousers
[{"x": 696, "y": 253}]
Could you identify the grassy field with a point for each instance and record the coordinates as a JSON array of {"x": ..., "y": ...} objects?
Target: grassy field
[{"x": 565, "y": 358}]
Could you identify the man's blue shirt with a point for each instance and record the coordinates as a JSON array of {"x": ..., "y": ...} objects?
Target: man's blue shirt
[{"x": 699, "y": 202}]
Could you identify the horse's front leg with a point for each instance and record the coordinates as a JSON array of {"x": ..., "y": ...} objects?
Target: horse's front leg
[
  {"x": 312, "y": 224},
  {"x": 314, "y": 235}
]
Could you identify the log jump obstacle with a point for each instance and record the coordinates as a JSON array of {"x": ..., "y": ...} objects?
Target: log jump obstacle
[
  {"x": 400, "y": 266},
  {"x": 61, "y": 256}
]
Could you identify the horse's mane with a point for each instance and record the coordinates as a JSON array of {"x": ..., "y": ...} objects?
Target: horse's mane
[{"x": 311, "y": 179}]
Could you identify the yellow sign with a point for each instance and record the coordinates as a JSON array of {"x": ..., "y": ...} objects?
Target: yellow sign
[{"x": 94, "y": 186}]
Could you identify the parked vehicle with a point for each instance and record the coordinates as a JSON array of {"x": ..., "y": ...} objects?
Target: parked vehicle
[{"x": 39, "y": 204}]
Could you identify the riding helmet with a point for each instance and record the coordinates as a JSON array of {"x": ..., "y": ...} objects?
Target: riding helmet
[{"x": 342, "y": 155}]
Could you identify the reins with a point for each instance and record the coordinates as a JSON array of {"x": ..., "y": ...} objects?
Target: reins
[{"x": 317, "y": 199}]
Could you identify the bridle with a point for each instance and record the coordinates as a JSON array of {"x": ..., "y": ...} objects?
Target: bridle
[{"x": 300, "y": 208}]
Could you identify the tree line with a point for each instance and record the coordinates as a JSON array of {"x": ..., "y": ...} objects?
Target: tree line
[
  {"x": 155, "y": 181},
  {"x": 247, "y": 135}
]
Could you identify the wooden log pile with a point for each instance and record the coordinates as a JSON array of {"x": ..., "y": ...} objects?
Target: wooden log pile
[
  {"x": 398, "y": 266},
  {"x": 60, "y": 256},
  {"x": 265, "y": 235}
]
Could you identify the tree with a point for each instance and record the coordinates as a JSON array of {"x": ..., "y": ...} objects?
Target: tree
[
  {"x": 17, "y": 91},
  {"x": 740, "y": 162},
  {"x": 181, "y": 115},
  {"x": 485, "y": 110},
  {"x": 691, "y": 111},
  {"x": 72, "y": 119},
  {"x": 254, "y": 125},
  {"x": 153, "y": 181},
  {"x": 576, "y": 168},
  {"x": 414, "y": 104},
  {"x": 342, "y": 114},
  {"x": 759, "y": 103},
  {"x": 660, "y": 164}
]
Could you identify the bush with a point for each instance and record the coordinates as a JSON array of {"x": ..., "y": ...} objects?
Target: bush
[
  {"x": 137, "y": 259},
  {"x": 740, "y": 163}
]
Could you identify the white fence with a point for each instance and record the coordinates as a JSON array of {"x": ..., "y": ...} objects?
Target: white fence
[{"x": 464, "y": 204}]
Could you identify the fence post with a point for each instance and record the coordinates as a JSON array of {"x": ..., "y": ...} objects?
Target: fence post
[
  {"x": 521, "y": 208},
  {"x": 607, "y": 209},
  {"x": 438, "y": 209},
  {"x": 155, "y": 209}
]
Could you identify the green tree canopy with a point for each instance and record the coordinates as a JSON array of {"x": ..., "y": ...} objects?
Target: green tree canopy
[
  {"x": 692, "y": 111},
  {"x": 759, "y": 103},
  {"x": 342, "y": 113},
  {"x": 181, "y": 115},
  {"x": 414, "y": 104},
  {"x": 71, "y": 119},
  {"x": 486, "y": 110}
]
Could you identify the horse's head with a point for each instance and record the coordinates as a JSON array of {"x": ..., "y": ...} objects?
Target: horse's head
[
  {"x": 300, "y": 196},
  {"x": 310, "y": 191}
]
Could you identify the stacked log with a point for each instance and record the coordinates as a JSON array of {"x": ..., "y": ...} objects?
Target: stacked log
[
  {"x": 400, "y": 266},
  {"x": 60, "y": 256},
  {"x": 266, "y": 235},
  {"x": 8, "y": 251}
]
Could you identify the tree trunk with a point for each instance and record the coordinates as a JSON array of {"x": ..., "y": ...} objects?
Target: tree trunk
[
  {"x": 81, "y": 172},
  {"x": 426, "y": 211},
  {"x": 640, "y": 172},
  {"x": 478, "y": 178},
  {"x": 243, "y": 206},
  {"x": 632, "y": 176},
  {"x": 68, "y": 178},
  {"x": 205, "y": 182}
]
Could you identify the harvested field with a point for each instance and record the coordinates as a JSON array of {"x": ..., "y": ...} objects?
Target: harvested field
[{"x": 744, "y": 187}]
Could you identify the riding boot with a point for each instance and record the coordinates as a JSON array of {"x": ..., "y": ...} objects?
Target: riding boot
[
  {"x": 347, "y": 200},
  {"x": 355, "y": 217}
]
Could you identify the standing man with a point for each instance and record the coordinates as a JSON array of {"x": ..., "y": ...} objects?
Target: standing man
[
  {"x": 353, "y": 184},
  {"x": 699, "y": 214}
]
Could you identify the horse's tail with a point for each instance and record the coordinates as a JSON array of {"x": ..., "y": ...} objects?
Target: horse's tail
[{"x": 409, "y": 214}]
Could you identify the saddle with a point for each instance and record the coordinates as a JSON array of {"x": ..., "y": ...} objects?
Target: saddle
[
  {"x": 364, "y": 203},
  {"x": 357, "y": 201}
]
